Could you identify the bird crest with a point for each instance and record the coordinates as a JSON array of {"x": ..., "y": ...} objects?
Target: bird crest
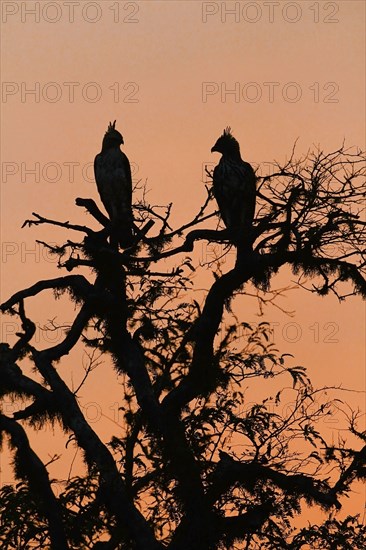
[
  {"x": 227, "y": 135},
  {"x": 112, "y": 137},
  {"x": 111, "y": 127}
]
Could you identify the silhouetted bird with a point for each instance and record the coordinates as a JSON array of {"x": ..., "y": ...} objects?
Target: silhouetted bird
[
  {"x": 234, "y": 186},
  {"x": 113, "y": 177}
]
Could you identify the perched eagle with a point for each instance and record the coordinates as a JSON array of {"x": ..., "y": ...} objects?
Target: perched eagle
[
  {"x": 234, "y": 186},
  {"x": 113, "y": 176}
]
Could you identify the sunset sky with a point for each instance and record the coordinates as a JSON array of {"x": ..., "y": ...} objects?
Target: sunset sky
[{"x": 174, "y": 74}]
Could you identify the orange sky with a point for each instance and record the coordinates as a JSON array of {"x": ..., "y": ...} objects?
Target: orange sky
[{"x": 174, "y": 74}]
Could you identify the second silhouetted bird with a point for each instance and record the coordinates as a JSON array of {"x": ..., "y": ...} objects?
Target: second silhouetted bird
[{"x": 234, "y": 186}]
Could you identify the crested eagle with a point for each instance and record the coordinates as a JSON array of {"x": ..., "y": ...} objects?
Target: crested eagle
[
  {"x": 113, "y": 177},
  {"x": 234, "y": 186}
]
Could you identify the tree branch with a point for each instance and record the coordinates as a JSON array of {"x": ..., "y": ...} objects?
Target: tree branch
[
  {"x": 31, "y": 468},
  {"x": 77, "y": 283}
]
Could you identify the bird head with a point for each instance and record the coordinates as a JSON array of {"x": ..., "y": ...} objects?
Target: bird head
[
  {"x": 227, "y": 144},
  {"x": 112, "y": 138}
]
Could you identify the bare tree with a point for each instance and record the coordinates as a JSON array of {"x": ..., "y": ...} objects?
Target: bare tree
[{"x": 172, "y": 480}]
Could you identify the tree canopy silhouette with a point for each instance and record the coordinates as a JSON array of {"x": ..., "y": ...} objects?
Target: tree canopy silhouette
[{"x": 170, "y": 478}]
